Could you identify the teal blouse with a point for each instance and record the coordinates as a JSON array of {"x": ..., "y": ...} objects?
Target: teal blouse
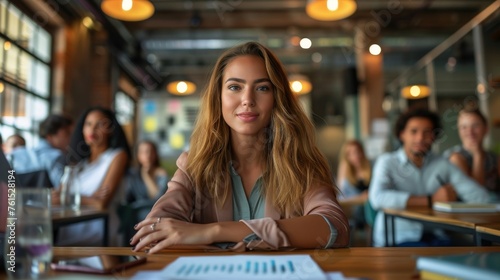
[
  {"x": 243, "y": 208},
  {"x": 254, "y": 207}
]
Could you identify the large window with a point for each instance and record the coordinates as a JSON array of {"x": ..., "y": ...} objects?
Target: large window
[{"x": 25, "y": 74}]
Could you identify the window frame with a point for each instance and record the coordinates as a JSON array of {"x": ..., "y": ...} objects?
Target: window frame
[{"x": 25, "y": 122}]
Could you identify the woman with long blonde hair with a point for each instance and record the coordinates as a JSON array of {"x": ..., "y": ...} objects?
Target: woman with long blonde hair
[
  {"x": 354, "y": 170},
  {"x": 253, "y": 177},
  {"x": 353, "y": 176}
]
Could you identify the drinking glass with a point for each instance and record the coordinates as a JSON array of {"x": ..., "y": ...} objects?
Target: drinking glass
[
  {"x": 74, "y": 194},
  {"x": 28, "y": 237}
]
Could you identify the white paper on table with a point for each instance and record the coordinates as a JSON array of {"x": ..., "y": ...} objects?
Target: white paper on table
[
  {"x": 254, "y": 267},
  {"x": 337, "y": 275},
  {"x": 148, "y": 274}
]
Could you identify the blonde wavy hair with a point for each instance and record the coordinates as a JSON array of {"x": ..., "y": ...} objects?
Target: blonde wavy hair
[
  {"x": 350, "y": 169},
  {"x": 293, "y": 163}
]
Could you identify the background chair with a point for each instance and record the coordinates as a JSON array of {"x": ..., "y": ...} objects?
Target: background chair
[
  {"x": 370, "y": 215},
  {"x": 34, "y": 179},
  {"x": 131, "y": 214}
]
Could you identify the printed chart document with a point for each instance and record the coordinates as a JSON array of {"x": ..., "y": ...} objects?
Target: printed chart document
[{"x": 254, "y": 267}]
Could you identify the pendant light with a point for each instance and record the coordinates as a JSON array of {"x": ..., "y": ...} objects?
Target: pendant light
[
  {"x": 128, "y": 10},
  {"x": 415, "y": 91},
  {"x": 300, "y": 84},
  {"x": 181, "y": 87},
  {"x": 326, "y": 10}
]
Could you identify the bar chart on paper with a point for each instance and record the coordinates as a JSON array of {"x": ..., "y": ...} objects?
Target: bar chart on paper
[{"x": 253, "y": 267}]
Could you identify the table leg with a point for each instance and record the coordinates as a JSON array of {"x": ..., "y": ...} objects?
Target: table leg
[
  {"x": 55, "y": 233},
  {"x": 106, "y": 231},
  {"x": 389, "y": 226},
  {"x": 482, "y": 239},
  {"x": 477, "y": 239},
  {"x": 393, "y": 231},
  {"x": 386, "y": 229}
]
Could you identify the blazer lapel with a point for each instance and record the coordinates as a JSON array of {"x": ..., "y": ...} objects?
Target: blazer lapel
[{"x": 270, "y": 211}]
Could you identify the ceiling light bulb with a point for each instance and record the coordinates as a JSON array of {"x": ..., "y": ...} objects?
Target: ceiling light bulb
[
  {"x": 88, "y": 22},
  {"x": 330, "y": 9},
  {"x": 6, "y": 45},
  {"x": 375, "y": 49},
  {"x": 305, "y": 43},
  {"x": 300, "y": 84},
  {"x": 415, "y": 91},
  {"x": 182, "y": 87},
  {"x": 332, "y": 5},
  {"x": 128, "y": 10},
  {"x": 481, "y": 88},
  {"x": 126, "y": 5},
  {"x": 296, "y": 86}
]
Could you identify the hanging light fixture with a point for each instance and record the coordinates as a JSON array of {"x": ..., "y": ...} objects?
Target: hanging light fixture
[
  {"x": 415, "y": 91},
  {"x": 300, "y": 84},
  {"x": 128, "y": 10},
  {"x": 181, "y": 87},
  {"x": 330, "y": 9}
]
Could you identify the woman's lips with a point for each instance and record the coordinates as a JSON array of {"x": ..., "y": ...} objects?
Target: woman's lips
[
  {"x": 247, "y": 116},
  {"x": 91, "y": 138}
]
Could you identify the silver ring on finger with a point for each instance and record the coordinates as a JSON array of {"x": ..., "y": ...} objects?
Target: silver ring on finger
[
  {"x": 153, "y": 226},
  {"x": 159, "y": 219}
]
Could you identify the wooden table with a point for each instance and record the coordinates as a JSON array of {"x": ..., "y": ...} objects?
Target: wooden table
[
  {"x": 63, "y": 217},
  {"x": 458, "y": 222},
  {"x": 369, "y": 262},
  {"x": 349, "y": 206},
  {"x": 487, "y": 233},
  {"x": 353, "y": 201}
]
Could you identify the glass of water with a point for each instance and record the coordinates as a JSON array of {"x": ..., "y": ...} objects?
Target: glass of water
[
  {"x": 28, "y": 240},
  {"x": 74, "y": 191}
]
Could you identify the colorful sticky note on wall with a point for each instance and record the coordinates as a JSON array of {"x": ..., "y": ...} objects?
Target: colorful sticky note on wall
[
  {"x": 177, "y": 140},
  {"x": 174, "y": 106},
  {"x": 150, "y": 124},
  {"x": 149, "y": 107}
]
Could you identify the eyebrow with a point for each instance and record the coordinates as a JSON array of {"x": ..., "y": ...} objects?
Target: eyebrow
[{"x": 243, "y": 81}]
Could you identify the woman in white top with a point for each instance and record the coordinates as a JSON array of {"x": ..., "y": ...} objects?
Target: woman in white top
[{"x": 100, "y": 151}]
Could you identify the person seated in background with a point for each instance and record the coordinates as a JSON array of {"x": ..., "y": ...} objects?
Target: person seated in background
[
  {"x": 13, "y": 142},
  {"x": 353, "y": 177},
  {"x": 354, "y": 170},
  {"x": 147, "y": 181},
  {"x": 100, "y": 151},
  {"x": 414, "y": 176},
  {"x": 470, "y": 156},
  {"x": 50, "y": 153},
  {"x": 253, "y": 177}
]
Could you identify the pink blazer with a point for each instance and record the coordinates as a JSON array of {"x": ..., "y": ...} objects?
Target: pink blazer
[{"x": 183, "y": 202}]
